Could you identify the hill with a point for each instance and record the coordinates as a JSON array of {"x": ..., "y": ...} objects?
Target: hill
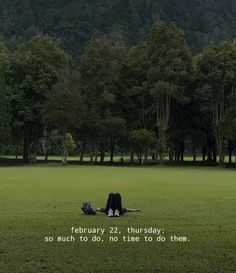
[{"x": 75, "y": 22}]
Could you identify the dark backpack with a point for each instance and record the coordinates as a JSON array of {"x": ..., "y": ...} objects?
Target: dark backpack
[{"x": 88, "y": 209}]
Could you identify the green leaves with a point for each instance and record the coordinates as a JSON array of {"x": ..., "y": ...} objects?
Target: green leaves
[
  {"x": 168, "y": 54},
  {"x": 168, "y": 76},
  {"x": 216, "y": 70},
  {"x": 99, "y": 70},
  {"x": 64, "y": 107},
  {"x": 161, "y": 89},
  {"x": 114, "y": 126},
  {"x": 4, "y": 115},
  {"x": 32, "y": 72}
]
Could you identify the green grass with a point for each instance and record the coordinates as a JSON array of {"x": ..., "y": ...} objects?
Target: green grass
[
  {"x": 107, "y": 158},
  {"x": 39, "y": 201}
]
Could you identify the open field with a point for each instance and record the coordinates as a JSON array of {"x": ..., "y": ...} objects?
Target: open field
[{"x": 38, "y": 201}]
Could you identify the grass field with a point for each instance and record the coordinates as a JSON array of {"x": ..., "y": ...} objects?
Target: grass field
[
  {"x": 38, "y": 201},
  {"x": 107, "y": 158}
]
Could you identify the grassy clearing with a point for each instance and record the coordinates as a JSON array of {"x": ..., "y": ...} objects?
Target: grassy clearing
[{"x": 39, "y": 201}]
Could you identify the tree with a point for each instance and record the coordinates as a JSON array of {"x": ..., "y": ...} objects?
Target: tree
[
  {"x": 229, "y": 123},
  {"x": 70, "y": 143},
  {"x": 133, "y": 95},
  {"x": 4, "y": 117},
  {"x": 34, "y": 69},
  {"x": 217, "y": 78},
  {"x": 115, "y": 129},
  {"x": 64, "y": 109},
  {"x": 76, "y": 22},
  {"x": 134, "y": 98},
  {"x": 3, "y": 110},
  {"x": 141, "y": 140},
  {"x": 168, "y": 73},
  {"x": 100, "y": 66}
]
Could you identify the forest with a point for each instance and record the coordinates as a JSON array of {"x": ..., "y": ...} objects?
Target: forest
[
  {"x": 127, "y": 22},
  {"x": 154, "y": 101}
]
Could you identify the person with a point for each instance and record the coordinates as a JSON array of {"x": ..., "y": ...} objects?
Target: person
[{"x": 114, "y": 206}]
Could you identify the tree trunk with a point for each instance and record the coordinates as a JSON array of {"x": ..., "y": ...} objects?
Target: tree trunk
[
  {"x": 142, "y": 160},
  {"x": 112, "y": 149},
  {"x": 220, "y": 149},
  {"x": 230, "y": 150},
  {"x": 64, "y": 149},
  {"x": 44, "y": 143},
  {"x": 194, "y": 154},
  {"x": 82, "y": 151},
  {"x": 132, "y": 156},
  {"x": 91, "y": 150},
  {"x": 102, "y": 153},
  {"x": 176, "y": 153},
  {"x": 146, "y": 154},
  {"x": 182, "y": 151},
  {"x": 17, "y": 152},
  {"x": 219, "y": 134},
  {"x": 26, "y": 148},
  {"x": 172, "y": 143},
  {"x": 96, "y": 155},
  {"x": 81, "y": 159},
  {"x": 214, "y": 153},
  {"x": 33, "y": 152},
  {"x": 27, "y": 141},
  {"x": 171, "y": 153},
  {"x": 46, "y": 155},
  {"x": 141, "y": 157},
  {"x": 162, "y": 143},
  {"x": 210, "y": 155},
  {"x": 172, "y": 130},
  {"x": 154, "y": 153},
  {"x": 203, "y": 154}
]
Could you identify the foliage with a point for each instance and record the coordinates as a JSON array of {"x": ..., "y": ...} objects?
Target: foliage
[
  {"x": 64, "y": 109},
  {"x": 33, "y": 71},
  {"x": 168, "y": 74},
  {"x": 152, "y": 99},
  {"x": 70, "y": 143},
  {"x": 141, "y": 140},
  {"x": 76, "y": 22},
  {"x": 217, "y": 78},
  {"x": 4, "y": 115}
]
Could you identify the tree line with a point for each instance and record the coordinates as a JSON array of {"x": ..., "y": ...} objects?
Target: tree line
[{"x": 154, "y": 100}]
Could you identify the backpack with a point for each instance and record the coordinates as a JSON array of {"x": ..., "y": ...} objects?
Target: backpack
[{"x": 88, "y": 209}]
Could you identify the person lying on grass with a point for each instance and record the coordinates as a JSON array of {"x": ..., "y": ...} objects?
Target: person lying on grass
[{"x": 113, "y": 207}]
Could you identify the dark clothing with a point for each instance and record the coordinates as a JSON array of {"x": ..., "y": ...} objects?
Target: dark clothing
[{"x": 114, "y": 203}]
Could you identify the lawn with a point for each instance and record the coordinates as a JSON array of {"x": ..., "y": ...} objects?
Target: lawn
[{"x": 44, "y": 200}]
